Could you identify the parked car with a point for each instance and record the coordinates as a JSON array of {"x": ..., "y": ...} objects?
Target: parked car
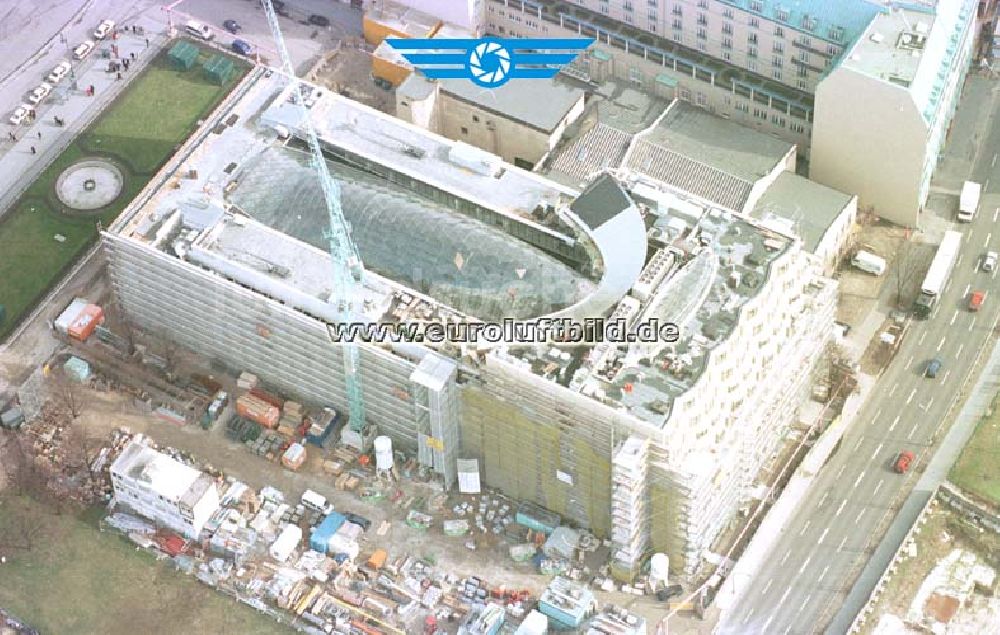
[
  {"x": 83, "y": 50},
  {"x": 990, "y": 261},
  {"x": 903, "y": 461},
  {"x": 976, "y": 300},
  {"x": 39, "y": 93},
  {"x": 360, "y": 521},
  {"x": 933, "y": 368},
  {"x": 319, "y": 20},
  {"x": 21, "y": 114},
  {"x": 241, "y": 47},
  {"x": 279, "y": 7},
  {"x": 232, "y": 26},
  {"x": 104, "y": 29},
  {"x": 61, "y": 70}
]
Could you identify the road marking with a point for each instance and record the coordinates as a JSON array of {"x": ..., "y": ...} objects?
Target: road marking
[
  {"x": 841, "y": 508},
  {"x": 994, "y": 274},
  {"x": 966, "y": 292},
  {"x": 860, "y": 514},
  {"x": 805, "y": 527},
  {"x": 988, "y": 236},
  {"x": 769, "y": 620},
  {"x": 842, "y": 468},
  {"x": 877, "y": 450},
  {"x": 858, "y": 444},
  {"x": 958, "y": 353},
  {"x": 841, "y": 545},
  {"x": 767, "y": 586},
  {"x": 928, "y": 406},
  {"x": 895, "y": 386},
  {"x": 941, "y": 344},
  {"x": 959, "y": 261},
  {"x": 823, "y": 536},
  {"x": 948, "y": 372},
  {"x": 749, "y": 614},
  {"x": 922, "y": 336},
  {"x": 910, "y": 398},
  {"x": 973, "y": 323},
  {"x": 995, "y": 214},
  {"x": 787, "y": 553},
  {"x": 860, "y": 476},
  {"x": 785, "y": 594},
  {"x": 823, "y": 575},
  {"x": 805, "y": 564},
  {"x": 877, "y": 415},
  {"x": 993, "y": 163},
  {"x": 894, "y": 422},
  {"x": 909, "y": 361},
  {"x": 823, "y": 500},
  {"x": 953, "y": 318},
  {"x": 877, "y": 487},
  {"x": 913, "y": 431},
  {"x": 802, "y": 606}
]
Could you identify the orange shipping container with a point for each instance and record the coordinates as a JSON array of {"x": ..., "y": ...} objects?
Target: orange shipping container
[
  {"x": 89, "y": 319},
  {"x": 377, "y": 559}
]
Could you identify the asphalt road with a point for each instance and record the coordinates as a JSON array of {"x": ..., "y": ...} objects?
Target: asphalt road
[{"x": 827, "y": 542}]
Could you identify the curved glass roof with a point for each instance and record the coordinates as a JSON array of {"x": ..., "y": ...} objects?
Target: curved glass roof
[{"x": 469, "y": 265}]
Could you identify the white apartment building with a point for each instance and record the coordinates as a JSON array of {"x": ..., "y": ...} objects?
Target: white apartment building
[
  {"x": 467, "y": 14},
  {"x": 163, "y": 489},
  {"x": 883, "y": 114}
]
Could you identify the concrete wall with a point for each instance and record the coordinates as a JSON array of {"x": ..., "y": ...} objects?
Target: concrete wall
[{"x": 870, "y": 140}]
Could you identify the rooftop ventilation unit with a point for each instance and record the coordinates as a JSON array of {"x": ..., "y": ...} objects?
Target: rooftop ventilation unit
[
  {"x": 912, "y": 41},
  {"x": 878, "y": 38}
]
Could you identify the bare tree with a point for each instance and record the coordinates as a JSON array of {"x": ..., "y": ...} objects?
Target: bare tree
[
  {"x": 904, "y": 271},
  {"x": 23, "y": 526},
  {"x": 67, "y": 392}
]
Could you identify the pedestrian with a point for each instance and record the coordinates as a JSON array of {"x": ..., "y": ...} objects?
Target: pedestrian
[
  {"x": 39, "y": 134},
  {"x": 132, "y": 54},
  {"x": 147, "y": 42},
  {"x": 119, "y": 76},
  {"x": 10, "y": 135},
  {"x": 133, "y": 29},
  {"x": 32, "y": 149}
]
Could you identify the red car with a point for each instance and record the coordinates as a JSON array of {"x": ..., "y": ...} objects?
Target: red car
[
  {"x": 976, "y": 300},
  {"x": 903, "y": 461}
]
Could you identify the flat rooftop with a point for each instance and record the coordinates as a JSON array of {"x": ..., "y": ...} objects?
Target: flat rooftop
[
  {"x": 888, "y": 48},
  {"x": 810, "y": 208},
  {"x": 541, "y": 104},
  {"x": 403, "y": 20},
  {"x": 167, "y": 477}
]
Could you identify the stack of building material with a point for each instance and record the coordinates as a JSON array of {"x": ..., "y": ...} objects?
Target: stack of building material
[
  {"x": 78, "y": 369},
  {"x": 246, "y": 381},
  {"x": 267, "y": 397},
  {"x": 69, "y": 315},
  {"x": 286, "y": 543},
  {"x": 83, "y": 325},
  {"x": 256, "y": 409},
  {"x": 345, "y": 540},
  {"x": 294, "y": 456}
]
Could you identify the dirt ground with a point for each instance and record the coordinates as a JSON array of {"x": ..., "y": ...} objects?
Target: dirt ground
[{"x": 350, "y": 73}]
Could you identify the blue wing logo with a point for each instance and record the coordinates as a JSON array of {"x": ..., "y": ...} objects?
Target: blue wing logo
[{"x": 489, "y": 62}]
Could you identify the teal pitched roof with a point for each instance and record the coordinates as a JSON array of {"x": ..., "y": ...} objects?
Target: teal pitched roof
[{"x": 821, "y": 18}]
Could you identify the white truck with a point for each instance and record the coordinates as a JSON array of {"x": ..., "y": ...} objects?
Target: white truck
[
  {"x": 867, "y": 261},
  {"x": 968, "y": 201}
]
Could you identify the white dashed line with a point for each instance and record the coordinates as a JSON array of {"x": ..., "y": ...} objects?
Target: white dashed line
[
  {"x": 894, "y": 422},
  {"x": 953, "y": 318},
  {"x": 945, "y": 378},
  {"x": 858, "y": 444},
  {"x": 993, "y": 163},
  {"x": 922, "y": 336},
  {"x": 877, "y": 415},
  {"x": 910, "y": 398},
  {"x": 787, "y": 553},
  {"x": 805, "y": 527},
  {"x": 823, "y": 536},
  {"x": 805, "y": 564},
  {"x": 823, "y": 500},
  {"x": 958, "y": 353},
  {"x": 767, "y": 586},
  {"x": 973, "y": 323},
  {"x": 941, "y": 344},
  {"x": 996, "y": 213},
  {"x": 988, "y": 236},
  {"x": 860, "y": 514},
  {"x": 877, "y": 487},
  {"x": 893, "y": 389},
  {"x": 749, "y": 614},
  {"x": 841, "y": 508},
  {"x": 877, "y": 450},
  {"x": 823, "y": 574},
  {"x": 841, "y": 471},
  {"x": 913, "y": 431},
  {"x": 858, "y": 480},
  {"x": 843, "y": 542},
  {"x": 966, "y": 292}
]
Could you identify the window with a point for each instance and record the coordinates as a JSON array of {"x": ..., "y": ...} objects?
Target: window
[
  {"x": 742, "y": 106},
  {"x": 752, "y": 38},
  {"x": 627, "y": 6},
  {"x": 702, "y": 19},
  {"x": 760, "y": 113},
  {"x": 726, "y": 55},
  {"x": 701, "y": 45},
  {"x": 754, "y": 23},
  {"x": 701, "y": 99},
  {"x": 475, "y": 118},
  {"x": 727, "y": 13},
  {"x": 804, "y": 56},
  {"x": 702, "y": 34},
  {"x": 797, "y": 127},
  {"x": 831, "y": 49},
  {"x": 777, "y": 61},
  {"x": 465, "y": 130},
  {"x": 782, "y": 14},
  {"x": 685, "y": 94},
  {"x": 652, "y": 3},
  {"x": 677, "y": 25},
  {"x": 727, "y": 43},
  {"x": 677, "y": 9},
  {"x": 652, "y": 15},
  {"x": 702, "y": 4},
  {"x": 779, "y": 32},
  {"x": 756, "y": 5},
  {"x": 776, "y": 73},
  {"x": 778, "y": 121},
  {"x": 752, "y": 66},
  {"x": 751, "y": 51},
  {"x": 727, "y": 28},
  {"x": 808, "y": 23},
  {"x": 804, "y": 41},
  {"x": 801, "y": 84},
  {"x": 779, "y": 47}
]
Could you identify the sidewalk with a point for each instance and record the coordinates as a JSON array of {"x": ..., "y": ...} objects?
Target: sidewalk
[{"x": 18, "y": 166}]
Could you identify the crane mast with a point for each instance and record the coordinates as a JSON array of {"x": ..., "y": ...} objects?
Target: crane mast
[{"x": 348, "y": 270}]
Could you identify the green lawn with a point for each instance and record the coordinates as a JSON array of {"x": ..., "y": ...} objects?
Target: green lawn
[
  {"x": 977, "y": 470},
  {"x": 139, "y": 132},
  {"x": 80, "y": 580}
]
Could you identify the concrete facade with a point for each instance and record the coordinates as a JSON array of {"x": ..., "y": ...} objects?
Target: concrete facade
[{"x": 884, "y": 141}]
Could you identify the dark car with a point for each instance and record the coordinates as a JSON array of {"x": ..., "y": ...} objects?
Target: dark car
[
  {"x": 241, "y": 47},
  {"x": 319, "y": 20},
  {"x": 360, "y": 521},
  {"x": 279, "y": 7},
  {"x": 232, "y": 26},
  {"x": 671, "y": 591},
  {"x": 933, "y": 368}
]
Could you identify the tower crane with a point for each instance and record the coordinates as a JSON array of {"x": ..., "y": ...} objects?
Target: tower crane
[{"x": 348, "y": 270}]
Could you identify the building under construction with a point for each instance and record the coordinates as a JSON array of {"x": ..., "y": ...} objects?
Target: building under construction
[{"x": 654, "y": 444}]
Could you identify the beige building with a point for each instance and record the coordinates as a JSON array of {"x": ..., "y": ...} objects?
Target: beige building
[
  {"x": 883, "y": 114},
  {"x": 521, "y": 122}
]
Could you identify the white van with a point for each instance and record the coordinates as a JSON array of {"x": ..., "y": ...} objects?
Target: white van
[
  {"x": 314, "y": 500},
  {"x": 869, "y": 262},
  {"x": 61, "y": 70},
  {"x": 83, "y": 50},
  {"x": 198, "y": 29}
]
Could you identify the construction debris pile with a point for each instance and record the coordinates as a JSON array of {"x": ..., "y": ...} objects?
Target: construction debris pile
[{"x": 948, "y": 588}]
